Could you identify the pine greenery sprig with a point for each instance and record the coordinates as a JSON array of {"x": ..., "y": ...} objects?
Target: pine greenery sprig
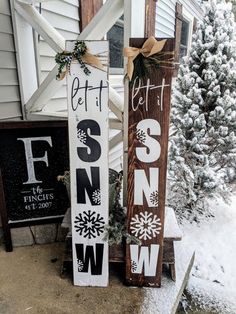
[
  {"x": 64, "y": 59},
  {"x": 116, "y": 229},
  {"x": 143, "y": 66}
]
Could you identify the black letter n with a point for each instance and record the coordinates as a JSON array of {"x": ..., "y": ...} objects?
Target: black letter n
[{"x": 83, "y": 183}]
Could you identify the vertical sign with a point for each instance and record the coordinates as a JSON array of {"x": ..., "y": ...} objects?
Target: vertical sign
[
  {"x": 88, "y": 138},
  {"x": 148, "y": 124}
]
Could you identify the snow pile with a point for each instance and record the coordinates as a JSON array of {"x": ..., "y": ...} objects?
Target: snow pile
[{"x": 212, "y": 285}]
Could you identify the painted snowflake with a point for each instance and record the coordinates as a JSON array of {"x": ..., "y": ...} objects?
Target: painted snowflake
[
  {"x": 141, "y": 136},
  {"x": 81, "y": 136},
  {"x": 154, "y": 198},
  {"x": 89, "y": 224},
  {"x": 80, "y": 265},
  {"x": 145, "y": 225},
  {"x": 96, "y": 197},
  {"x": 133, "y": 266}
]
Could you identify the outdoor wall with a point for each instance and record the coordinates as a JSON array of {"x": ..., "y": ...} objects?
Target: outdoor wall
[
  {"x": 165, "y": 18},
  {"x": 165, "y": 15},
  {"x": 10, "y": 106}
]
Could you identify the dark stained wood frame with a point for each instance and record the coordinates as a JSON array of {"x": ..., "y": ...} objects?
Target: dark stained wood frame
[
  {"x": 194, "y": 25},
  {"x": 178, "y": 28},
  {"x": 3, "y": 209},
  {"x": 161, "y": 163},
  {"x": 150, "y": 18},
  {"x": 87, "y": 10}
]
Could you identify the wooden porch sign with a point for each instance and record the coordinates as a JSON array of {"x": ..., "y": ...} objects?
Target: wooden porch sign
[
  {"x": 148, "y": 125},
  {"x": 88, "y": 138},
  {"x": 32, "y": 155}
]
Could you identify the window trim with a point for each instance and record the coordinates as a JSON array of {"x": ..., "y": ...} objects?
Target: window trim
[
  {"x": 189, "y": 18},
  {"x": 186, "y": 46},
  {"x": 117, "y": 71}
]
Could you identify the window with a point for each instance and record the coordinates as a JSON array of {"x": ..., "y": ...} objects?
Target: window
[
  {"x": 116, "y": 44},
  {"x": 184, "y": 40}
]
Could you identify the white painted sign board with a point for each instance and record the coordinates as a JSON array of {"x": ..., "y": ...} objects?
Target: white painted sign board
[{"x": 88, "y": 139}]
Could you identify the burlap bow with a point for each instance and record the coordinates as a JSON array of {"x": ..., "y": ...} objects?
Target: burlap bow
[
  {"x": 92, "y": 60},
  {"x": 149, "y": 48},
  {"x": 87, "y": 58}
]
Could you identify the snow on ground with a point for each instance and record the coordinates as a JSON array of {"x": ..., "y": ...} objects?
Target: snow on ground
[{"x": 212, "y": 285}]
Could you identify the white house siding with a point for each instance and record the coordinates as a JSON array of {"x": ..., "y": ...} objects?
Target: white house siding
[
  {"x": 165, "y": 18},
  {"x": 192, "y": 8},
  {"x": 165, "y": 15},
  {"x": 64, "y": 16},
  {"x": 10, "y": 106}
]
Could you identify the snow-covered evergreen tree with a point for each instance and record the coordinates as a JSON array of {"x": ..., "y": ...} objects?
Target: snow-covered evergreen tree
[{"x": 202, "y": 159}]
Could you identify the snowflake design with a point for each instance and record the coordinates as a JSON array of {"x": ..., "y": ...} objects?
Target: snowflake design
[
  {"x": 80, "y": 265},
  {"x": 133, "y": 266},
  {"x": 141, "y": 136},
  {"x": 154, "y": 198},
  {"x": 89, "y": 224},
  {"x": 96, "y": 197},
  {"x": 145, "y": 225},
  {"x": 81, "y": 136}
]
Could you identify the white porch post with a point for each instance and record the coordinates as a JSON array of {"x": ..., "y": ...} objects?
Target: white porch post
[
  {"x": 25, "y": 56},
  {"x": 134, "y": 26}
]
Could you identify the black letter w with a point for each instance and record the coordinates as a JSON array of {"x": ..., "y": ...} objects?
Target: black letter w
[{"x": 88, "y": 257}]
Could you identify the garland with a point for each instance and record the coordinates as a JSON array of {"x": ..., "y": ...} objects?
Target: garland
[
  {"x": 64, "y": 59},
  {"x": 141, "y": 61},
  {"x": 143, "y": 66},
  {"x": 115, "y": 231}
]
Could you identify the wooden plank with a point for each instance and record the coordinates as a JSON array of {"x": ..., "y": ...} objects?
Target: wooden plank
[
  {"x": 69, "y": 34},
  {"x": 45, "y": 92},
  {"x": 61, "y": 8},
  {"x": 7, "y": 60},
  {"x": 116, "y": 140},
  {"x": 60, "y": 21},
  {"x": 134, "y": 19},
  {"x": 88, "y": 137},
  {"x": 87, "y": 10},
  {"x": 150, "y": 18},
  {"x": 72, "y": 2},
  {"x": 9, "y": 93},
  {"x": 178, "y": 28},
  {"x": 45, "y": 50},
  {"x": 104, "y": 19},
  {"x": 5, "y": 24},
  {"x": 5, "y": 7},
  {"x": 6, "y": 42},
  {"x": 8, "y": 77},
  {"x": 172, "y": 231},
  {"x": 41, "y": 25},
  {"x": 10, "y": 109},
  {"x": 149, "y": 108},
  {"x": 116, "y": 103},
  {"x": 115, "y": 124},
  {"x": 59, "y": 103},
  {"x": 134, "y": 25}
]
